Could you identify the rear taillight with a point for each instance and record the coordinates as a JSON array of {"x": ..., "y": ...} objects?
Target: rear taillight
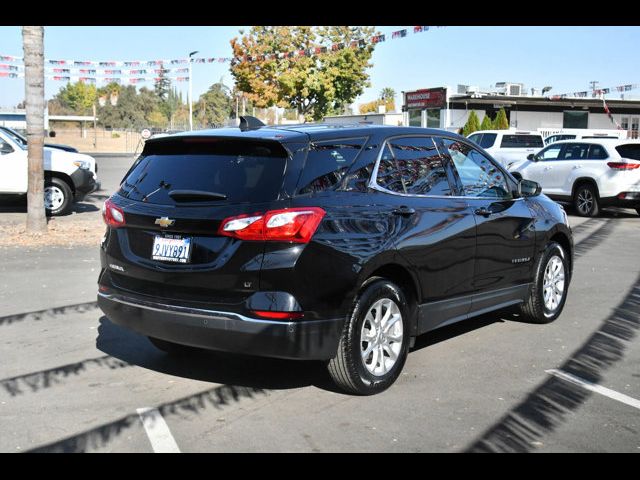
[
  {"x": 112, "y": 215},
  {"x": 288, "y": 225},
  {"x": 623, "y": 165}
]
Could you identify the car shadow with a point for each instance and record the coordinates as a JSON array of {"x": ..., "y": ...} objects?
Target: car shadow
[
  {"x": 211, "y": 366},
  {"x": 18, "y": 204}
]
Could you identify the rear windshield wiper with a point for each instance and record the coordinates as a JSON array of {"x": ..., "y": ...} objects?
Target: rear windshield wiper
[{"x": 195, "y": 195}]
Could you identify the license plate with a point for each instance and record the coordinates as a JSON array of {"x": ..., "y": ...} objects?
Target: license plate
[{"x": 171, "y": 249}]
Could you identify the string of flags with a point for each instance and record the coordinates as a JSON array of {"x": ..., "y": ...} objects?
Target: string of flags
[
  {"x": 608, "y": 112},
  {"x": 598, "y": 91},
  {"x": 69, "y": 70}
]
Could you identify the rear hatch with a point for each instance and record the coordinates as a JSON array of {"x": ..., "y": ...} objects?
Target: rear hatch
[{"x": 174, "y": 199}]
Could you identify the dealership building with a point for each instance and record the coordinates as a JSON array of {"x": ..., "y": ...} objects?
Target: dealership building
[{"x": 444, "y": 107}]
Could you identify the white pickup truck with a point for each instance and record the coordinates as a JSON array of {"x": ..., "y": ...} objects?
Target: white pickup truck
[
  {"x": 69, "y": 176},
  {"x": 508, "y": 146}
]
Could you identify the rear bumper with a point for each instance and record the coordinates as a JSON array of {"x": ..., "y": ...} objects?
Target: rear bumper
[
  {"x": 84, "y": 183},
  {"x": 224, "y": 331},
  {"x": 630, "y": 200}
]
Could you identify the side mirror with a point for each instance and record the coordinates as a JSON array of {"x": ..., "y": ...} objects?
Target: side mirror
[
  {"x": 529, "y": 188},
  {"x": 5, "y": 148},
  {"x": 531, "y": 157}
]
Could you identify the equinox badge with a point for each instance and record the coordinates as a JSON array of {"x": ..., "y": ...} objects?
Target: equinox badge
[{"x": 165, "y": 222}]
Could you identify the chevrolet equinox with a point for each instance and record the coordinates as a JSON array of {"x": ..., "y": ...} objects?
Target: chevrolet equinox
[{"x": 339, "y": 243}]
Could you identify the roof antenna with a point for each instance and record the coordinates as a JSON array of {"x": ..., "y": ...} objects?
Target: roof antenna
[{"x": 250, "y": 123}]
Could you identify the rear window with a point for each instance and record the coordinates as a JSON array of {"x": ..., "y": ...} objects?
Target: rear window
[
  {"x": 521, "y": 141},
  {"x": 630, "y": 151},
  {"x": 243, "y": 171}
]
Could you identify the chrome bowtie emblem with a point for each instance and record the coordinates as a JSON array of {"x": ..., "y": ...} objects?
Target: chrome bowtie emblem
[{"x": 165, "y": 222}]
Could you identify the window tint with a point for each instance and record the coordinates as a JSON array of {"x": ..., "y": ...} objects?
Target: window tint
[
  {"x": 485, "y": 140},
  {"x": 550, "y": 153},
  {"x": 574, "y": 151},
  {"x": 521, "y": 141},
  {"x": 476, "y": 138},
  {"x": 597, "y": 152},
  {"x": 327, "y": 163},
  {"x": 479, "y": 177},
  {"x": 413, "y": 166},
  {"x": 243, "y": 171},
  {"x": 630, "y": 151}
]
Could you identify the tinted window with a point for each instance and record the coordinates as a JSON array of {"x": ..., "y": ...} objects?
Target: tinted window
[
  {"x": 479, "y": 176},
  {"x": 597, "y": 152},
  {"x": 327, "y": 163},
  {"x": 5, "y": 147},
  {"x": 413, "y": 166},
  {"x": 550, "y": 153},
  {"x": 243, "y": 171},
  {"x": 630, "y": 151},
  {"x": 521, "y": 141},
  {"x": 574, "y": 151},
  {"x": 16, "y": 137},
  {"x": 485, "y": 140}
]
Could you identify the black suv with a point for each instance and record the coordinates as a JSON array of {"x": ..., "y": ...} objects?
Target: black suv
[{"x": 324, "y": 242}]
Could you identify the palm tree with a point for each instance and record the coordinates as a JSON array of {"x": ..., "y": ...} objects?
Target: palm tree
[{"x": 33, "y": 45}]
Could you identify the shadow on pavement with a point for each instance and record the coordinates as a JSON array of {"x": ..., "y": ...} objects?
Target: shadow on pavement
[{"x": 549, "y": 405}]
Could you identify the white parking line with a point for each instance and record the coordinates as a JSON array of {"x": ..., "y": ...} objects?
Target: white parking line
[
  {"x": 621, "y": 397},
  {"x": 158, "y": 431}
]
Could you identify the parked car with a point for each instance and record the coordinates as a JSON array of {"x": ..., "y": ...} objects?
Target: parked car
[
  {"x": 22, "y": 140},
  {"x": 69, "y": 176},
  {"x": 589, "y": 173},
  {"x": 325, "y": 242},
  {"x": 586, "y": 134},
  {"x": 508, "y": 146}
]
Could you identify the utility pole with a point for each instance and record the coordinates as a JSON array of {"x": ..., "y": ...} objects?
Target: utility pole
[
  {"x": 594, "y": 84},
  {"x": 190, "y": 90}
]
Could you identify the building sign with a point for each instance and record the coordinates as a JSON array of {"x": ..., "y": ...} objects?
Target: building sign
[{"x": 426, "y": 98}]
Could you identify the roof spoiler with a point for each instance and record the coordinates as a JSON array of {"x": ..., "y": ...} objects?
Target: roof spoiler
[{"x": 250, "y": 123}]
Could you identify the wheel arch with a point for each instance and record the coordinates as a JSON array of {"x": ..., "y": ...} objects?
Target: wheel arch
[
  {"x": 405, "y": 279},
  {"x": 49, "y": 174},
  {"x": 582, "y": 180}
]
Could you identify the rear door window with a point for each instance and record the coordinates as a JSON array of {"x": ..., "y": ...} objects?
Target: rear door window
[
  {"x": 414, "y": 166},
  {"x": 630, "y": 151},
  {"x": 521, "y": 141},
  {"x": 574, "y": 151},
  {"x": 243, "y": 171},
  {"x": 327, "y": 164}
]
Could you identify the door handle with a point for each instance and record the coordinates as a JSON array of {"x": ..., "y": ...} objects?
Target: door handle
[
  {"x": 483, "y": 211},
  {"x": 404, "y": 211},
  {"x": 577, "y": 166},
  {"x": 548, "y": 168}
]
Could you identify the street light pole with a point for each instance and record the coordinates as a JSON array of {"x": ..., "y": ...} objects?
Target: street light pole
[{"x": 191, "y": 91}]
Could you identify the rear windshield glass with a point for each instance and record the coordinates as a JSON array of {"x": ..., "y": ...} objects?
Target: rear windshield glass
[
  {"x": 243, "y": 171},
  {"x": 631, "y": 151},
  {"x": 521, "y": 141}
]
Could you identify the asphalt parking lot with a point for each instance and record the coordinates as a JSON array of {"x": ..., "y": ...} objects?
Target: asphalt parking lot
[{"x": 71, "y": 381}]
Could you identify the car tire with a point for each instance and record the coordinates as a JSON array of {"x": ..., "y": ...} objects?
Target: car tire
[
  {"x": 552, "y": 275},
  {"x": 365, "y": 363},
  {"x": 171, "y": 348},
  {"x": 58, "y": 196},
  {"x": 585, "y": 200}
]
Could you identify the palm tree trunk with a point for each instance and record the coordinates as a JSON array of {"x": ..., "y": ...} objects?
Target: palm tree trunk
[{"x": 33, "y": 45}]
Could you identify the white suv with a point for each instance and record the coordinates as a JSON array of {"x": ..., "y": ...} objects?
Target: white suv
[
  {"x": 590, "y": 173},
  {"x": 68, "y": 176},
  {"x": 508, "y": 146}
]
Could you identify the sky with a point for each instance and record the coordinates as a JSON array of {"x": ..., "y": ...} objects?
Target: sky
[{"x": 565, "y": 58}]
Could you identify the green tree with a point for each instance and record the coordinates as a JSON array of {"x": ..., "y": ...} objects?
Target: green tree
[
  {"x": 486, "y": 123},
  {"x": 77, "y": 97},
  {"x": 472, "y": 125},
  {"x": 501, "y": 122},
  {"x": 320, "y": 82},
  {"x": 162, "y": 85},
  {"x": 214, "y": 106}
]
